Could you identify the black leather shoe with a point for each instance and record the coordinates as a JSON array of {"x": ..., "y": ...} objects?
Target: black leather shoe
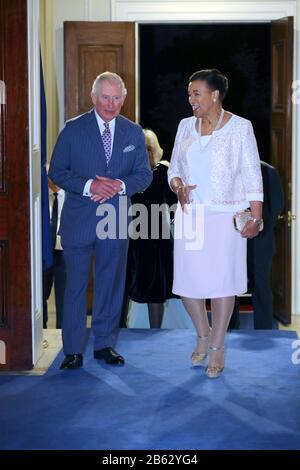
[
  {"x": 110, "y": 356},
  {"x": 72, "y": 361}
]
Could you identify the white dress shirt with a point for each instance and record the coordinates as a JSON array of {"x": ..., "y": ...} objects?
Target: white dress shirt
[
  {"x": 112, "y": 124},
  {"x": 60, "y": 203}
]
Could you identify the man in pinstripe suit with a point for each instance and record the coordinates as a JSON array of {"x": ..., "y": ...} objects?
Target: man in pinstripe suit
[{"x": 99, "y": 156}]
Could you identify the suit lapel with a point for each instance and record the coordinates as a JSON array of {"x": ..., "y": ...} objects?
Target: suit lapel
[{"x": 94, "y": 133}]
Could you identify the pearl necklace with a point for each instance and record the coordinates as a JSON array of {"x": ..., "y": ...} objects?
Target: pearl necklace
[{"x": 215, "y": 129}]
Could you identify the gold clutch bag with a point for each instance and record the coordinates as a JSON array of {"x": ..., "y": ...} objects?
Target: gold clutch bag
[{"x": 241, "y": 218}]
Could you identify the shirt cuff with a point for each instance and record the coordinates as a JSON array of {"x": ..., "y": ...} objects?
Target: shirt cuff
[
  {"x": 123, "y": 187},
  {"x": 86, "y": 189}
]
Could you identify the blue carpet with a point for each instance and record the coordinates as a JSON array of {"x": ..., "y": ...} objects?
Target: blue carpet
[{"x": 157, "y": 401}]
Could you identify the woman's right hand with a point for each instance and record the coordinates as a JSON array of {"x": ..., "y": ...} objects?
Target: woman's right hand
[{"x": 183, "y": 194}]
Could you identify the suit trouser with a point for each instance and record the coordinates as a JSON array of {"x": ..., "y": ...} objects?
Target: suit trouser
[
  {"x": 260, "y": 256},
  {"x": 55, "y": 275},
  {"x": 109, "y": 284},
  {"x": 234, "y": 323},
  {"x": 59, "y": 277},
  {"x": 47, "y": 286}
]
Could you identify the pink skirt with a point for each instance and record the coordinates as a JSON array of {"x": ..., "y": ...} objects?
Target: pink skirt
[{"x": 214, "y": 263}]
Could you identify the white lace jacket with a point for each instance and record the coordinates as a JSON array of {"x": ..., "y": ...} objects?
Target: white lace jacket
[{"x": 235, "y": 177}]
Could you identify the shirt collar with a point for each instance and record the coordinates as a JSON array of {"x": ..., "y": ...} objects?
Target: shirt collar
[
  {"x": 101, "y": 122},
  {"x": 59, "y": 192}
]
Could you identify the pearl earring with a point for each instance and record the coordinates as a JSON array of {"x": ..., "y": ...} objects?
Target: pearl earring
[{"x": 214, "y": 100}]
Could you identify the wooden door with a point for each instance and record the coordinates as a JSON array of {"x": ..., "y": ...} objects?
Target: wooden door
[
  {"x": 94, "y": 47},
  {"x": 281, "y": 158},
  {"x": 15, "y": 275}
]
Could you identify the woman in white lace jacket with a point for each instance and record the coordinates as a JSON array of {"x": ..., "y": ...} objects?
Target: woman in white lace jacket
[{"x": 215, "y": 166}]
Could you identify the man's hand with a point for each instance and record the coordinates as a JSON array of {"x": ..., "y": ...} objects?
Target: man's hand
[{"x": 103, "y": 188}]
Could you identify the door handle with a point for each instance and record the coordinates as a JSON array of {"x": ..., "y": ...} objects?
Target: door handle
[{"x": 290, "y": 217}]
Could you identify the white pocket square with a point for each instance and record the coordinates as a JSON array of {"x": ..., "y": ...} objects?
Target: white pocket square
[{"x": 129, "y": 148}]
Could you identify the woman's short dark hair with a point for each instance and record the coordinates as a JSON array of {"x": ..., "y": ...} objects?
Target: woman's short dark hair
[{"x": 215, "y": 80}]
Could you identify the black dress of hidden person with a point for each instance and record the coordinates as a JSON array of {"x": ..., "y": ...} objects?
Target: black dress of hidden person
[{"x": 150, "y": 261}]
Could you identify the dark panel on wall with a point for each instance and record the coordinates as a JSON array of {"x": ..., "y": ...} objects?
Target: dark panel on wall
[
  {"x": 282, "y": 32},
  {"x": 91, "y": 59},
  {"x": 90, "y": 49}
]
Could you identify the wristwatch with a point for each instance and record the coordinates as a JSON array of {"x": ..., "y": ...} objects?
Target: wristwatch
[{"x": 259, "y": 222}]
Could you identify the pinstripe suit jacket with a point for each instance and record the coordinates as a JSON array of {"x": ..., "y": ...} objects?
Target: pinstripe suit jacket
[{"x": 79, "y": 155}]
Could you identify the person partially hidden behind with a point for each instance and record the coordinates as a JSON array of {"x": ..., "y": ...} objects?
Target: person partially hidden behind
[
  {"x": 56, "y": 275},
  {"x": 150, "y": 261},
  {"x": 260, "y": 252},
  {"x": 99, "y": 156},
  {"x": 214, "y": 166}
]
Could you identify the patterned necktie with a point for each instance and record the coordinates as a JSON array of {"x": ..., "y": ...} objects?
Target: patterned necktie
[
  {"x": 106, "y": 138},
  {"x": 54, "y": 219}
]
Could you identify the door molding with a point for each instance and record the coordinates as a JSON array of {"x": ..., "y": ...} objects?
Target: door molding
[
  {"x": 176, "y": 10},
  {"x": 196, "y": 11},
  {"x": 34, "y": 175}
]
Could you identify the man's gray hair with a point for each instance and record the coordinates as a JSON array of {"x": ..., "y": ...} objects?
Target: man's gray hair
[{"x": 110, "y": 77}]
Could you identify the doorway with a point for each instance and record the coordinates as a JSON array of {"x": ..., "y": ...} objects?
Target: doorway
[{"x": 170, "y": 53}]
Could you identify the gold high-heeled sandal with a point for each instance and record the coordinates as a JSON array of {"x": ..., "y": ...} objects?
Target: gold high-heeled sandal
[
  {"x": 213, "y": 372},
  {"x": 197, "y": 359}
]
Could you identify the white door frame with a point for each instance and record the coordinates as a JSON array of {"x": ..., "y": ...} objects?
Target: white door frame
[
  {"x": 196, "y": 11},
  {"x": 35, "y": 177}
]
